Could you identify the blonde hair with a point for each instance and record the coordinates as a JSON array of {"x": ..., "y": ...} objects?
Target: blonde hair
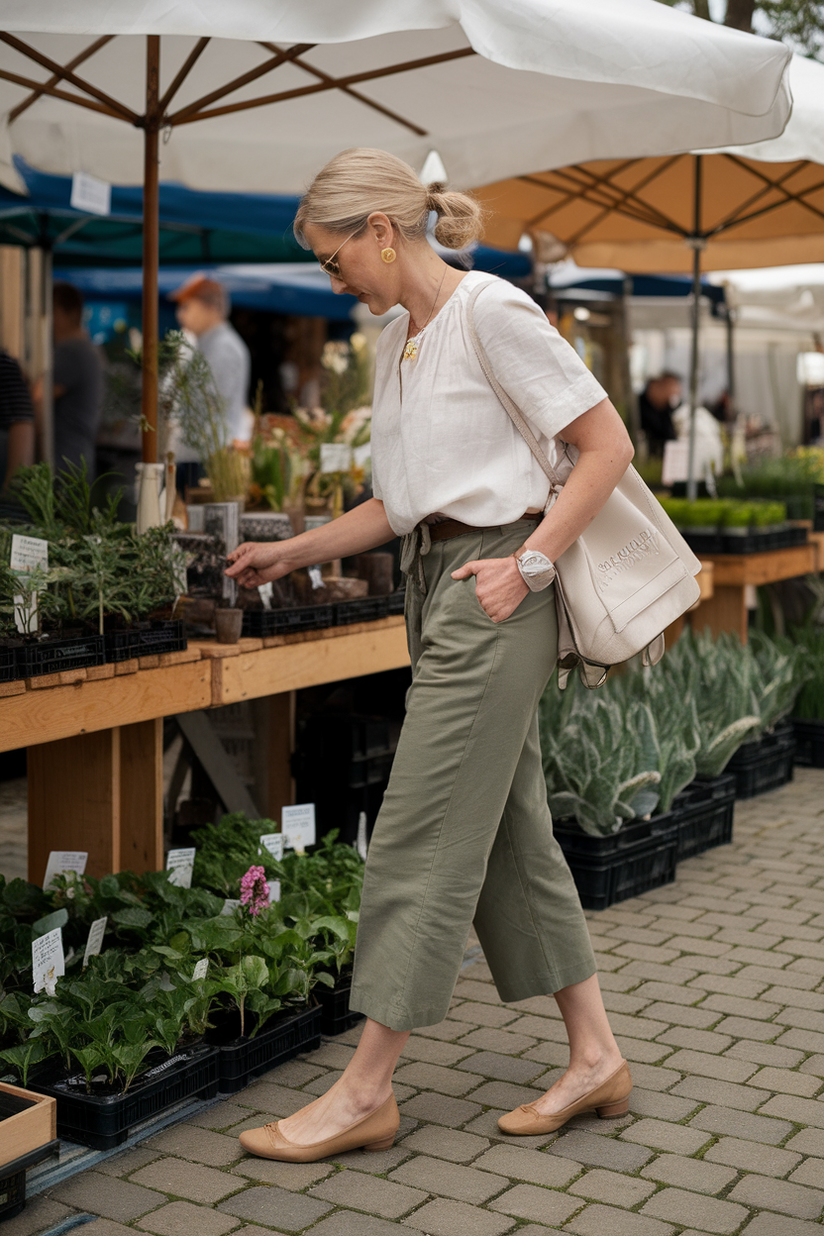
[{"x": 359, "y": 181}]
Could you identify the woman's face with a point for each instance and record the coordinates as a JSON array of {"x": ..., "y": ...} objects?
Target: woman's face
[{"x": 359, "y": 269}]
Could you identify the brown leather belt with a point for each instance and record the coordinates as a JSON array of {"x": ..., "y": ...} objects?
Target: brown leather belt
[{"x": 446, "y": 529}]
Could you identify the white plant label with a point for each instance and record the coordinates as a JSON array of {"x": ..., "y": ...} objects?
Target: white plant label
[
  {"x": 64, "y": 860},
  {"x": 676, "y": 462},
  {"x": 298, "y": 825},
  {"x": 27, "y": 553},
  {"x": 335, "y": 457},
  {"x": 265, "y": 592},
  {"x": 274, "y": 890},
  {"x": 47, "y": 961},
  {"x": 95, "y": 940},
  {"x": 201, "y": 970},
  {"x": 181, "y": 864},
  {"x": 230, "y": 905},
  {"x": 90, "y": 194},
  {"x": 273, "y": 842},
  {"x": 315, "y": 577},
  {"x": 362, "y": 454}
]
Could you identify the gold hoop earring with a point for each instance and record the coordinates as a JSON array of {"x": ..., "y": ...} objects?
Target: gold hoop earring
[{"x": 388, "y": 255}]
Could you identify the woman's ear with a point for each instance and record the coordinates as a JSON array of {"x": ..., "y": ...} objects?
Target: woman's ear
[{"x": 381, "y": 228}]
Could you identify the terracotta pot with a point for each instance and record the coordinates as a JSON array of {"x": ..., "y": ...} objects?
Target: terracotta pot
[{"x": 228, "y": 624}]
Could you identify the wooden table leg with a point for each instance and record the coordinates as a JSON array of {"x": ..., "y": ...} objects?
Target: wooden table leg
[
  {"x": 725, "y": 610},
  {"x": 141, "y": 796},
  {"x": 74, "y": 801},
  {"x": 275, "y": 722}
]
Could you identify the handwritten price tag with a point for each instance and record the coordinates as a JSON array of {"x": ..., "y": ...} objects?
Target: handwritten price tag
[
  {"x": 273, "y": 842},
  {"x": 181, "y": 864},
  {"x": 201, "y": 970},
  {"x": 48, "y": 962},
  {"x": 95, "y": 940},
  {"x": 64, "y": 860},
  {"x": 298, "y": 825}
]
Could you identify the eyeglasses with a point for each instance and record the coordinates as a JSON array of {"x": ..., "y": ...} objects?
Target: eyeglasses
[{"x": 330, "y": 266}]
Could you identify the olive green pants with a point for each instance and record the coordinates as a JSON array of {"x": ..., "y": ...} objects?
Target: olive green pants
[{"x": 464, "y": 834}]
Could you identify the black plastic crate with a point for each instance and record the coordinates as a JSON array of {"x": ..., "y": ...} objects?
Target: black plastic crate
[
  {"x": 13, "y": 1178},
  {"x": 747, "y": 543},
  {"x": 362, "y": 609},
  {"x": 704, "y": 811},
  {"x": 765, "y": 764},
  {"x": 809, "y": 742},
  {"x": 397, "y": 601},
  {"x": 243, "y": 1059},
  {"x": 704, "y": 542},
  {"x": 53, "y": 655},
  {"x": 818, "y": 508},
  {"x": 144, "y": 641},
  {"x": 335, "y": 1014},
  {"x": 104, "y": 1121},
  {"x": 261, "y": 622},
  {"x": 640, "y": 856},
  {"x": 8, "y": 663}
]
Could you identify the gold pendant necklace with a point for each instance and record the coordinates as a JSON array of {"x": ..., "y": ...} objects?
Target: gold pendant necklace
[{"x": 413, "y": 345}]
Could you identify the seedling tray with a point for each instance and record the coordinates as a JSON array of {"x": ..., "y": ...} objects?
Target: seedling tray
[
  {"x": 241, "y": 1060},
  {"x": 260, "y": 622},
  {"x": 363, "y": 609},
  {"x": 640, "y": 856},
  {"x": 397, "y": 601},
  {"x": 704, "y": 542},
  {"x": 51, "y": 656},
  {"x": 145, "y": 641},
  {"x": 704, "y": 811},
  {"x": 809, "y": 742},
  {"x": 8, "y": 664},
  {"x": 764, "y": 765},
  {"x": 336, "y": 1016},
  {"x": 104, "y": 1121}
]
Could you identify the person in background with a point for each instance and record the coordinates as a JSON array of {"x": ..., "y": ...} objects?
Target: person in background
[
  {"x": 16, "y": 427},
  {"x": 78, "y": 384},
  {"x": 656, "y": 404},
  {"x": 203, "y": 310}
]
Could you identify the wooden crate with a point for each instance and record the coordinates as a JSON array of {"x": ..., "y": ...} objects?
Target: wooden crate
[{"x": 29, "y": 1128}]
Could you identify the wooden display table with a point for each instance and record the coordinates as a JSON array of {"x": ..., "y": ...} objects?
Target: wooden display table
[
  {"x": 726, "y": 609},
  {"x": 95, "y": 737}
]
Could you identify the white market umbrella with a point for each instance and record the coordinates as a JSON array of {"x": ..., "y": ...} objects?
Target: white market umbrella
[{"x": 94, "y": 87}]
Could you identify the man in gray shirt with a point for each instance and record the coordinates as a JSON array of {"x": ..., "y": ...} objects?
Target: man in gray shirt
[
  {"x": 78, "y": 383},
  {"x": 203, "y": 309}
]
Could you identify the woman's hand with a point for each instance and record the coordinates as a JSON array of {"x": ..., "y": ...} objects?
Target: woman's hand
[
  {"x": 498, "y": 585},
  {"x": 255, "y": 563}
]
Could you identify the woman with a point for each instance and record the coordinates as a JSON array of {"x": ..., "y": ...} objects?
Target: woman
[{"x": 464, "y": 834}]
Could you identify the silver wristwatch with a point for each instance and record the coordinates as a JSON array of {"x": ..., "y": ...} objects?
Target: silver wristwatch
[{"x": 536, "y": 569}]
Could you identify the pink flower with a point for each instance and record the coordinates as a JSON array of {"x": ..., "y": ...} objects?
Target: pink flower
[{"x": 254, "y": 890}]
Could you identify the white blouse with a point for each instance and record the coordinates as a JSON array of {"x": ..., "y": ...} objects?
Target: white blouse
[{"x": 441, "y": 442}]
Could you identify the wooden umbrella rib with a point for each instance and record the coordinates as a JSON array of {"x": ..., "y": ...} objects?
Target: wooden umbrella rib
[
  {"x": 596, "y": 194},
  {"x": 335, "y": 83},
  {"x": 737, "y": 216},
  {"x": 186, "y": 68},
  {"x": 355, "y": 94},
  {"x": 268, "y": 66},
  {"x": 54, "y": 93},
  {"x": 623, "y": 199},
  {"x": 79, "y": 59},
  {"x": 65, "y": 74}
]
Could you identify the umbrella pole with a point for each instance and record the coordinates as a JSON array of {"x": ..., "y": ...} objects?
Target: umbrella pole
[
  {"x": 151, "y": 248},
  {"x": 696, "y": 242}
]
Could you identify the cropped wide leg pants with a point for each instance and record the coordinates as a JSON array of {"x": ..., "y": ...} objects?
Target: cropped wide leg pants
[{"x": 464, "y": 834}]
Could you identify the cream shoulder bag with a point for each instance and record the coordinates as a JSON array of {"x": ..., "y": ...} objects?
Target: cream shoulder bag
[{"x": 626, "y": 578}]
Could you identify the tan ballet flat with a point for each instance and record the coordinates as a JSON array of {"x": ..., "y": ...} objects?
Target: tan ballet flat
[
  {"x": 610, "y": 1099},
  {"x": 374, "y": 1132}
]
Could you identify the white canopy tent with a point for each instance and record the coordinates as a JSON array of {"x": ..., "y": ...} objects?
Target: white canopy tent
[{"x": 285, "y": 84}]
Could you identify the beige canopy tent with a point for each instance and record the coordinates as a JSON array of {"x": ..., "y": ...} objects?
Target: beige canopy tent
[
  {"x": 97, "y": 87},
  {"x": 740, "y": 207}
]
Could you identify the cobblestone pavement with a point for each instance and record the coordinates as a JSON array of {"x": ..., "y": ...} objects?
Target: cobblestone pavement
[{"x": 715, "y": 990}]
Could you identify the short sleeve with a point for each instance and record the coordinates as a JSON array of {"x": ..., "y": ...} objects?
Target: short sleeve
[{"x": 534, "y": 364}]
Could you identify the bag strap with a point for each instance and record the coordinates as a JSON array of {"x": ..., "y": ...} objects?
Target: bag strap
[{"x": 507, "y": 402}]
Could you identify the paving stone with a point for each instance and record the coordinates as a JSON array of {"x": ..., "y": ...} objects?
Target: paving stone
[
  {"x": 435, "y": 1077},
  {"x": 434, "y": 1052},
  {"x": 269, "y": 1205},
  {"x": 734, "y": 1006},
  {"x": 440, "y": 1109},
  {"x": 602, "y": 1186},
  {"x": 349, "y": 1223},
  {"x": 726, "y": 1094},
  {"x": 620, "y": 1002},
  {"x": 40, "y": 1213},
  {"x": 806, "y": 1040},
  {"x": 789, "y": 1199},
  {"x": 483, "y": 1014},
  {"x": 683, "y": 1015},
  {"x": 189, "y": 1180},
  {"x": 505, "y": 1095},
  {"x": 766, "y": 1053},
  {"x": 813, "y": 1065},
  {"x": 103, "y": 1195},
  {"x": 722, "y": 1067},
  {"x": 676, "y": 975},
  {"x": 708, "y": 1214},
  {"x": 526, "y": 1201},
  {"x": 808, "y": 1141},
  {"x": 221, "y": 1115},
  {"x": 743, "y": 988},
  {"x": 780, "y": 1225},
  {"x": 504, "y": 1068},
  {"x": 542, "y": 1028},
  {"x": 662, "y": 1106},
  {"x": 654, "y": 1077},
  {"x": 800, "y": 1111},
  {"x": 446, "y": 1030},
  {"x": 507, "y": 1042},
  {"x": 786, "y": 1081},
  {"x": 465, "y": 1184},
  {"x": 486, "y": 1125},
  {"x": 700, "y": 948},
  {"x": 747, "y": 1028},
  {"x": 466, "y": 989},
  {"x": 787, "y": 977},
  {"x": 187, "y": 1141},
  {"x": 550, "y": 1053},
  {"x": 752, "y": 1156},
  {"x": 811, "y": 1172},
  {"x": 694, "y": 1174},
  {"x": 695, "y": 1040},
  {"x": 640, "y": 1051},
  {"x": 294, "y": 1176},
  {"x": 551, "y": 1171},
  {"x": 791, "y": 996},
  {"x": 253, "y": 1229},
  {"x": 333, "y": 1055},
  {"x": 107, "y": 1227},
  {"x": 579, "y": 1146},
  {"x": 661, "y": 1136},
  {"x": 447, "y": 1218},
  {"x": 126, "y": 1162},
  {"x": 375, "y": 1162},
  {"x": 446, "y": 1144},
  {"x": 597, "y": 1220},
  {"x": 369, "y": 1193},
  {"x": 742, "y": 1124},
  {"x": 183, "y": 1218}
]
